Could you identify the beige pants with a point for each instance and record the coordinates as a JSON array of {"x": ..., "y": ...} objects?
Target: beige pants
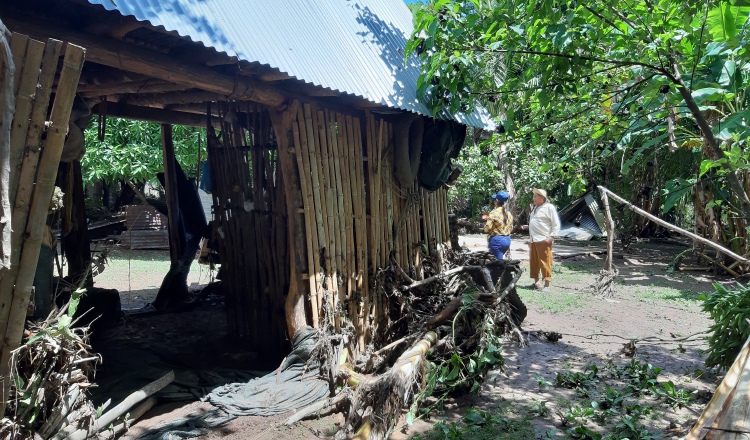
[{"x": 540, "y": 259}]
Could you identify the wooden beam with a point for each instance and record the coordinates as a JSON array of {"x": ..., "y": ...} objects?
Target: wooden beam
[
  {"x": 186, "y": 97},
  {"x": 118, "y": 54},
  {"x": 311, "y": 90},
  {"x": 153, "y": 115},
  {"x": 274, "y": 76},
  {"x": 143, "y": 86}
]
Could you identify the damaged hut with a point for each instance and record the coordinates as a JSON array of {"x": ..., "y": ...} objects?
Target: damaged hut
[{"x": 325, "y": 167}]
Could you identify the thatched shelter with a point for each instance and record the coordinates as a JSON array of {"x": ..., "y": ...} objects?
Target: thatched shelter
[{"x": 325, "y": 165}]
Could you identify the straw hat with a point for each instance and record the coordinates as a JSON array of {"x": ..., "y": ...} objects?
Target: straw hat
[{"x": 541, "y": 192}]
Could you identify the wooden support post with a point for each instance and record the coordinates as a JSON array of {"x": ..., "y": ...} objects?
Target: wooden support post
[
  {"x": 76, "y": 243},
  {"x": 170, "y": 187},
  {"x": 610, "y": 224}
]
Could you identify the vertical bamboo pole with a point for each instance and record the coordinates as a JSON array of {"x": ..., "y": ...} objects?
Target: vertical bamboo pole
[
  {"x": 332, "y": 250},
  {"x": 328, "y": 246},
  {"x": 45, "y": 182},
  {"x": 27, "y": 76},
  {"x": 304, "y": 172},
  {"x": 335, "y": 138},
  {"x": 18, "y": 46},
  {"x": 373, "y": 220},
  {"x": 315, "y": 214},
  {"x": 358, "y": 162},
  {"x": 382, "y": 188},
  {"x": 344, "y": 144},
  {"x": 336, "y": 198},
  {"x": 30, "y": 153},
  {"x": 321, "y": 158},
  {"x": 316, "y": 164}
]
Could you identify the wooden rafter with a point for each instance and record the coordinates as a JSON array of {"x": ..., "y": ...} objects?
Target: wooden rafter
[
  {"x": 118, "y": 88},
  {"x": 120, "y": 55}
]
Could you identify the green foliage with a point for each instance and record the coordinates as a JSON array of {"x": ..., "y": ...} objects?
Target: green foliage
[
  {"x": 590, "y": 93},
  {"x": 481, "y": 425},
  {"x": 578, "y": 380},
  {"x": 621, "y": 409},
  {"x": 132, "y": 150},
  {"x": 729, "y": 309},
  {"x": 470, "y": 195},
  {"x": 461, "y": 371}
]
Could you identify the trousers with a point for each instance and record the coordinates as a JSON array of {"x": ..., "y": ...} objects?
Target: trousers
[
  {"x": 499, "y": 244},
  {"x": 540, "y": 259}
]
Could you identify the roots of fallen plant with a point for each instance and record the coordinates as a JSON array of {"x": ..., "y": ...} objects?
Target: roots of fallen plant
[{"x": 442, "y": 338}]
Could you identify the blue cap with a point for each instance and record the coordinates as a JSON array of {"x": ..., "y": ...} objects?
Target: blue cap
[{"x": 502, "y": 196}]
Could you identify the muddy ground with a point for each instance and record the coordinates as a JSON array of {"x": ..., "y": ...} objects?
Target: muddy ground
[{"x": 656, "y": 308}]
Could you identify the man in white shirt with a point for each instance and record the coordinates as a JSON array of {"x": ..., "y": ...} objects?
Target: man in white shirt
[{"x": 543, "y": 227}]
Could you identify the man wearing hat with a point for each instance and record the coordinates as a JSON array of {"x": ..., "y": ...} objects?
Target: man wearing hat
[
  {"x": 498, "y": 226},
  {"x": 543, "y": 227}
]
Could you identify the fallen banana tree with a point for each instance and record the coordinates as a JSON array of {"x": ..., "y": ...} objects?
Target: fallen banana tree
[{"x": 448, "y": 336}]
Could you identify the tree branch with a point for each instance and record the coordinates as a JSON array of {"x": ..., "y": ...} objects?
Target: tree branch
[{"x": 582, "y": 57}]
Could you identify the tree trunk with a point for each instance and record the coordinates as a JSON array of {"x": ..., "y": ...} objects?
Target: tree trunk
[
  {"x": 7, "y": 109},
  {"x": 295, "y": 304},
  {"x": 76, "y": 243},
  {"x": 713, "y": 144}
]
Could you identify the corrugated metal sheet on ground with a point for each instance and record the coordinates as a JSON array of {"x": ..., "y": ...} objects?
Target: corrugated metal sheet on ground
[
  {"x": 140, "y": 217},
  {"x": 352, "y": 46}
]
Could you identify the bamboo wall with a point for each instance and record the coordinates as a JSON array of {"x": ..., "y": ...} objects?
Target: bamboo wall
[
  {"x": 355, "y": 217},
  {"x": 250, "y": 215}
]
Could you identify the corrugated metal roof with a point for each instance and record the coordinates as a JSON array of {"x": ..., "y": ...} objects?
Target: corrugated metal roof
[{"x": 351, "y": 46}]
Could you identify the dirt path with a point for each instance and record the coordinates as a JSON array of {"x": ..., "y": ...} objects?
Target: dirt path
[{"x": 651, "y": 306}]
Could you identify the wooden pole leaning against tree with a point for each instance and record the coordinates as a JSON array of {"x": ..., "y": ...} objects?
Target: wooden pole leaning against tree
[{"x": 672, "y": 227}]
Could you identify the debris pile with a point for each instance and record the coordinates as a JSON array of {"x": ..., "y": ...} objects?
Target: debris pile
[
  {"x": 446, "y": 337},
  {"x": 50, "y": 375}
]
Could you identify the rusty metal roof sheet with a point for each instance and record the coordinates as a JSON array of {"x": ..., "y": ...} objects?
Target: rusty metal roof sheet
[{"x": 351, "y": 46}]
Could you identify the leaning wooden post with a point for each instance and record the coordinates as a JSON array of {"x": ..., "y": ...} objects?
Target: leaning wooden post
[
  {"x": 610, "y": 226},
  {"x": 42, "y": 194},
  {"x": 672, "y": 227},
  {"x": 170, "y": 187},
  {"x": 294, "y": 306}
]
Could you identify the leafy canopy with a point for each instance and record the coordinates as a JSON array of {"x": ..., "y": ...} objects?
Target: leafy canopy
[
  {"x": 595, "y": 78},
  {"x": 131, "y": 150}
]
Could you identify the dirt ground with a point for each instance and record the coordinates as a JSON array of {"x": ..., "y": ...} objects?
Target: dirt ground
[{"x": 652, "y": 306}]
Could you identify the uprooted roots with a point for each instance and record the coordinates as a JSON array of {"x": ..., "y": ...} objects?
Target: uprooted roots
[
  {"x": 605, "y": 282},
  {"x": 442, "y": 338}
]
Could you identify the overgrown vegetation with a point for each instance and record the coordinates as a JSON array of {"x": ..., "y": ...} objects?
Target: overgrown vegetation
[
  {"x": 649, "y": 99},
  {"x": 730, "y": 310}
]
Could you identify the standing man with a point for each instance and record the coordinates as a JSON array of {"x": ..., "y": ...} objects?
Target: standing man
[
  {"x": 543, "y": 227},
  {"x": 498, "y": 227}
]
